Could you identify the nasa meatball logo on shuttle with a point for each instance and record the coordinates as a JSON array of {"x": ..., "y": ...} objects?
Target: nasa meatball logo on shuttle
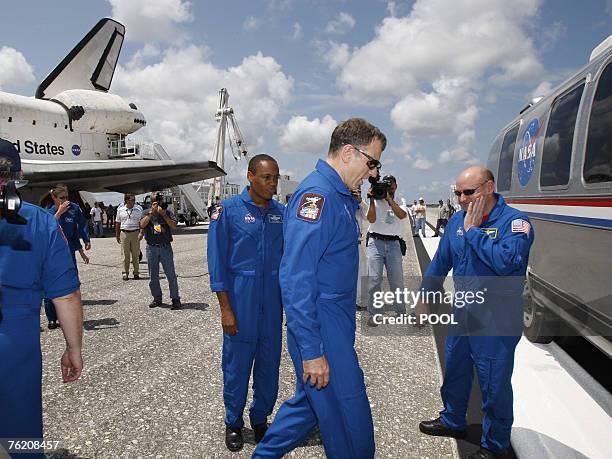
[
  {"x": 76, "y": 150},
  {"x": 527, "y": 152}
]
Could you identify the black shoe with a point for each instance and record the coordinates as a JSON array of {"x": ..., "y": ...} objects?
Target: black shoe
[
  {"x": 233, "y": 439},
  {"x": 125, "y": 277},
  {"x": 176, "y": 304},
  {"x": 53, "y": 325},
  {"x": 136, "y": 277},
  {"x": 484, "y": 453},
  {"x": 156, "y": 304},
  {"x": 439, "y": 429},
  {"x": 259, "y": 430}
]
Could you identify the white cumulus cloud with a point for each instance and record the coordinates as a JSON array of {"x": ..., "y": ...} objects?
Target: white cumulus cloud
[
  {"x": 14, "y": 69},
  {"x": 448, "y": 109},
  {"x": 179, "y": 95},
  {"x": 251, "y": 23},
  {"x": 297, "y": 31},
  {"x": 342, "y": 24},
  {"x": 434, "y": 64},
  {"x": 151, "y": 20},
  {"x": 301, "y": 135},
  {"x": 421, "y": 163}
]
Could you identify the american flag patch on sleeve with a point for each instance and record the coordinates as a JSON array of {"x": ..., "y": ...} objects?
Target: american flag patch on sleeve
[{"x": 521, "y": 226}]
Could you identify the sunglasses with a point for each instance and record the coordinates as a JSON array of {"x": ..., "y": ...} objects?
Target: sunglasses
[
  {"x": 372, "y": 163},
  {"x": 468, "y": 191}
]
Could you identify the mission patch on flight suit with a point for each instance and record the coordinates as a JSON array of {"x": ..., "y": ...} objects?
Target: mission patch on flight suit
[
  {"x": 216, "y": 213},
  {"x": 310, "y": 207}
]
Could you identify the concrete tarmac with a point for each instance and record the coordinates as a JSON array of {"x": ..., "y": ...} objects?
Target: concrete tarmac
[{"x": 152, "y": 383}]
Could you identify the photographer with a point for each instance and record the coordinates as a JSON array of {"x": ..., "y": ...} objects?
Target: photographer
[
  {"x": 157, "y": 223},
  {"x": 384, "y": 242},
  {"x": 35, "y": 261}
]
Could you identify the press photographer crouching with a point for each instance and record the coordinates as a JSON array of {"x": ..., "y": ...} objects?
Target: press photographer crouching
[
  {"x": 384, "y": 244},
  {"x": 35, "y": 261},
  {"x": 158, "y": 222}
]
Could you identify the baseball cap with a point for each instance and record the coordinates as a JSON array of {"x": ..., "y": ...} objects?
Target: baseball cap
[
  {"x": 8, "y": 151},
  {"x": 422, "y": 199}
]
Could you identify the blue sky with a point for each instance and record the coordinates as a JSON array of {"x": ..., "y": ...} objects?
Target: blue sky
[{"x": 439, "y": 77}]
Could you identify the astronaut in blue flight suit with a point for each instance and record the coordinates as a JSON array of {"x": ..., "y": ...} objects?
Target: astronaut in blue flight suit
[
  {"x": 245, "y": 244},
  {"x": 318, "y": 277},
  {"x": 34, "y": 261},
  {"x": 74, "y": 225},
  {"x": 487, "y": 245}
]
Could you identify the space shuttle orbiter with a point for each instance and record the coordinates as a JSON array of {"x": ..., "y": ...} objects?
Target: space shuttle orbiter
[{"x": 75, "y": 131}]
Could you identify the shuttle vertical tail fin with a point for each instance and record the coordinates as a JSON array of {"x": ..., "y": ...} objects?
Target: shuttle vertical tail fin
[{"x": 90, "y": 65}]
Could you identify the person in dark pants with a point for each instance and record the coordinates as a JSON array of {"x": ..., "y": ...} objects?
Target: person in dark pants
[
  {"x": 245, "y": 244},
  {"x": 74, "y": 225},
  {"x": 35, "y": 261},
  {"x": 158, "y": 222},
  {"x": 443, "y": 214},
  {"x": 487, "y": 245}
]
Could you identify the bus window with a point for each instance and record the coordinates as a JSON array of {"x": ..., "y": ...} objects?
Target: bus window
[
  {"x": 506, "y": 159},
  {"x": 557, "y": 151},
  {"x": 598, "y": 154}
]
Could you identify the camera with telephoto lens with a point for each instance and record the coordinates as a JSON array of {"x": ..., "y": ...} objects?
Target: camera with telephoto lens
[
  {"x": 10, "y": 203},
  {"x": 159, "y": 199},
  {"x": 380, "y": 187}
]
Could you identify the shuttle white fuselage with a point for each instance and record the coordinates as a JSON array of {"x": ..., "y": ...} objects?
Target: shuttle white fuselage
[{"x": 49, "y": 129}]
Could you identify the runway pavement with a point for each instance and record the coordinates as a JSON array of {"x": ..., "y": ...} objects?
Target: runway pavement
[{"x": 152, "y": 384}]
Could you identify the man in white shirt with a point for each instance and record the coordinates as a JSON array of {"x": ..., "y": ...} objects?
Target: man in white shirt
[
  {"x": 129, "y": 234},
  {"x": 384, "y": 247},
  {"x": 420, "y": 217},
  {"x": 96, "y": 217}
]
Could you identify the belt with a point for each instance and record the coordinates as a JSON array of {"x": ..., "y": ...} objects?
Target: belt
[
  {"x": 129, "y": 231},
  {"x": 384, "y": 237},
  {"x": 159, "y": 245}
]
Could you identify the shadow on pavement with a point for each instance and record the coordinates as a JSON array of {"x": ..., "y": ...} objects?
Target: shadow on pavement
[
  {"x": 99, "y": 302},
  {"x": 100, "y": 324}
]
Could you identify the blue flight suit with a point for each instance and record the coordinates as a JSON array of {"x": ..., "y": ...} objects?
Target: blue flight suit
[
  {"x": 493, "y": 259},
  {"x": 35, "y": 261},
  {"x": 319, "y": 284},
  {"x": 74, "y": 226},
  {"x": 245, "y": 244}
]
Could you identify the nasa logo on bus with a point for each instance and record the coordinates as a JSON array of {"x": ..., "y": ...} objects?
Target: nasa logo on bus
[
  {"x": 76, "y": 150},
  {"x": 527, "y": 152}
]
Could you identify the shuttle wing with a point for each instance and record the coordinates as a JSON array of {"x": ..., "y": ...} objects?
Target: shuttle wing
[
  {"x": 123, "y": 176},
  {"x": 90, "y": 65}
]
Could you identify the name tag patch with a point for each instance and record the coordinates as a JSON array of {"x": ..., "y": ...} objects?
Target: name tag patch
[
  {"x": 275, "y": 218},
  {"x": 310, "y": 207},
  {"x": 491, "y": 232}
]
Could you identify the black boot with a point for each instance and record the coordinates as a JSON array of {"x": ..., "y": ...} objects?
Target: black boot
[
  {"x": 484, "y": 453},
  {"x": 233, "y": 439},
  {"x": 259, "y": 430},
  {"x": 439, "y": 429}
]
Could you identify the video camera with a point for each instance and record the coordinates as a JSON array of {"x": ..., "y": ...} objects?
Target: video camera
[
  {"x": 10, "y": 203},
  {"x": 159, "y": 199},
  {"x": 380, "y": 187}
]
